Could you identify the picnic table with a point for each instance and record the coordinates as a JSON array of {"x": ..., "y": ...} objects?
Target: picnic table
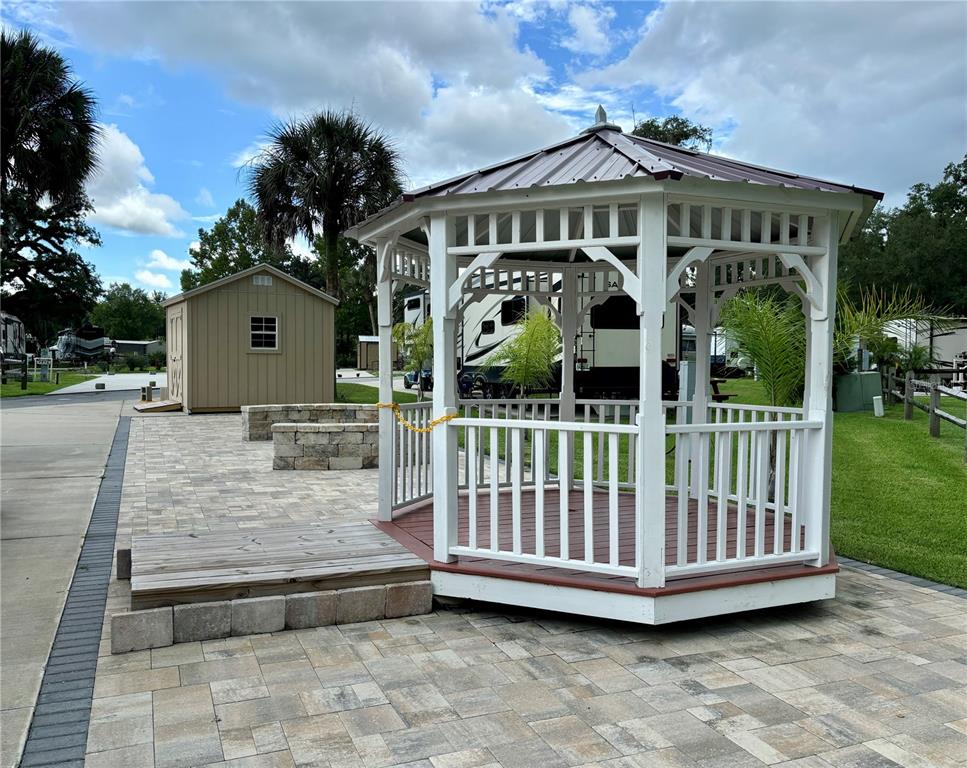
[{"x": 719, "y": 397}]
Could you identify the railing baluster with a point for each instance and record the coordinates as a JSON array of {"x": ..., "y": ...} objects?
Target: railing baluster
[
  {"x": 682, "y": 443},
  {"x": 599, "y": 476},
  {"x": 494, "y": 488},
  {"x": 564, "y": 483},
  {"x": 761, "y": 491},
  {"x": 538, "y": 471},
  {"x": 516, "y": 455},
  {"x": 779, "y": 489},
  {"x": 588, "y": 501},
  {"x": 632, "y": 412},
  {"x": 613, "y": 497},
  {"x": 741, "y": 476},
  {"x": 795, "y": 440},
  {"x": 701, "y": 550},
  {"x": 723, "y": 468},
  {"x": 471, "y": 458}
]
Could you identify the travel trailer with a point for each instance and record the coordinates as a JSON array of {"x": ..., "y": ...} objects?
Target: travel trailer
[
  {"x": 14, "y": 340},
  {"x": 606, "y": 348}
]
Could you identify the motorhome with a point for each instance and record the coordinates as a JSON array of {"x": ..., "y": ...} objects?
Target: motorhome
[{"x": 86, "y": 344}]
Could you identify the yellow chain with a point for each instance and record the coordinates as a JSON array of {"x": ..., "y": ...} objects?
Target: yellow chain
[{"x": 395, "y": 408}]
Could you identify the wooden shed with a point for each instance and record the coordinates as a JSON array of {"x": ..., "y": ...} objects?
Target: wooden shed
[{"x": 256, "y": 337}]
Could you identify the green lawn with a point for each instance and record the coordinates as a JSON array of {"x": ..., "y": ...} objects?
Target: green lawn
[
  {"x": 899, "y": 495},
  {"x": 347, "y": 392},
  {"x": 12, "y": 387}
]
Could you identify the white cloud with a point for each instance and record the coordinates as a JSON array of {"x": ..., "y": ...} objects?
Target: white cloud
[
  {"x": 291, "y": 57},
  {"x": 468, "y": 128},
  {"x": 120, "y": 190},
  {"x": 204, "y": 198},
  {"x": 161, "y": 260},
  {"x": 152, "y": 279},
  {"x": 868, "y": 93},
  {"x": 590, "y": 29},
  {"x": 247, "y": 154}
]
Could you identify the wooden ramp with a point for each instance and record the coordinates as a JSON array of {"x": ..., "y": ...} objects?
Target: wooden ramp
[
  {"x": 168, "y": 569},
  {"x": 157, "y": 406}
]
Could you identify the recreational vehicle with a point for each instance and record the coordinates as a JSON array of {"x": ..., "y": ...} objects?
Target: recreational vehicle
[
  {"x": 606, "y": 348},
  {"x": 14, "y": 340}
]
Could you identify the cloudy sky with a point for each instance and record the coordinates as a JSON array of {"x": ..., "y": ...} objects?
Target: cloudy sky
[{"x": 873, "y": 94}]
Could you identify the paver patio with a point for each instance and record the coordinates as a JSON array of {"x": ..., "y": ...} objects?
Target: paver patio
[{"x": 876, "y": 677}]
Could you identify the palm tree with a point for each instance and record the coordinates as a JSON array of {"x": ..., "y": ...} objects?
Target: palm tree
[
  {"x": 326, "y": 171},
  {"x": 771, "y": 332},
  {"x": 48, "y": 144},
  {"x": 528, "y": 359},
  {"x": 48, "y": 128}
]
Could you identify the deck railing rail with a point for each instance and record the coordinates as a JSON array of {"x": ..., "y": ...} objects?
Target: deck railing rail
[
  {"x": 530, "y": 450},
  {"x": 736, "y": 477},
  {"x": 412, "y": 452}
]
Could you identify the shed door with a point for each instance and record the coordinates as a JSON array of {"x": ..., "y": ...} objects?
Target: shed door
[{"x": 176, "y": 332}]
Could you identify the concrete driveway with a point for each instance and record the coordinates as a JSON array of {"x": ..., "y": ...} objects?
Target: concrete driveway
[
  {"x": 51, "y": 458},
  {"x": 116, "y": 382}
]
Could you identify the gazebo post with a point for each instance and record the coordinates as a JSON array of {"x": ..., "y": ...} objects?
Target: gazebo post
[
  {"x": 443, "y": 273},
  {"x": 567, "y": 410},
  {"x": 384, "y": 316},
  {"x": 701, "y": 318},
  {"x": 650, "y": 496},
  {"x": 819, "y": 389}
]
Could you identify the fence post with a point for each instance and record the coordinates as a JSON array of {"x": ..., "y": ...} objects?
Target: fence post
[
  {"x": 934, "y": 406},
  {"x": 908, "y": 397},
  {"x": 23, "y": 374}
]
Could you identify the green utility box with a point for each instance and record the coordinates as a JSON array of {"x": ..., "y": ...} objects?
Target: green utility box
[{"x": 855, "y": 391}]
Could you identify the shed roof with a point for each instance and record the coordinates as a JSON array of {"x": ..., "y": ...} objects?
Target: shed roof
[
  {"x": 274, "y": 271},
  {"x": 605, "y": 153}
]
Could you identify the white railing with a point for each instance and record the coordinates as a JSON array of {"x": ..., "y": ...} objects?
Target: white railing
[
  {"x": 413, "y": 469},
  {"x": 501, "y": 523},
  {"x": 739, "y": 487},
  {"x": 508, "y": 410}
]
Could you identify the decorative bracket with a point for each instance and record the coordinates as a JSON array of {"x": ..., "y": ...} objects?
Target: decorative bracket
[
  {"x": 813, "y": 288},
  {"x": 699, "y": 253},
  {"x": 481, "y": 261},
  {"x": 689, "y": 309},
  {"x": 630, "y": 283},
  {"x": 545, "y": 301},
  {"x": 384, "y": 262}
]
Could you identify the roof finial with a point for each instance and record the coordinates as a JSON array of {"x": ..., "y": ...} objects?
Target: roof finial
[{"x": 601, "y": 122}]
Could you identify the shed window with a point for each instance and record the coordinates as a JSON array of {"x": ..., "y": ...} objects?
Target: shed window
[
  {"x": 262, "y": 279},
  {"x": 264, "y": 332}
]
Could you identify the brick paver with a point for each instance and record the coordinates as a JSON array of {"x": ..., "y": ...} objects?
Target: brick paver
[{"x": 875, "y": 677}]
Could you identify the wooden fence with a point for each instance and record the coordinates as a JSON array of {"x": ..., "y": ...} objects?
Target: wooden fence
[{"x": 908, "y": 396}]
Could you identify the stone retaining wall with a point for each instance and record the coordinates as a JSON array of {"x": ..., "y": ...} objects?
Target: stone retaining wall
[
  {"x": 325, "y": 446},
  {"x": 257, "y": 420},
  {"x": 193, "y": 622}
]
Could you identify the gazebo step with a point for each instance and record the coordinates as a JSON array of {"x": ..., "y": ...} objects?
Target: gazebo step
[{"x": 169, "y": 569}]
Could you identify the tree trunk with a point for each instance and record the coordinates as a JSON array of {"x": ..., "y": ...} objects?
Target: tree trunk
[{"x": 331, "y": 242}]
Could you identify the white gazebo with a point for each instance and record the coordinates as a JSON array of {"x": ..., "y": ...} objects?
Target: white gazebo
[{"x": 643, "y": 510}]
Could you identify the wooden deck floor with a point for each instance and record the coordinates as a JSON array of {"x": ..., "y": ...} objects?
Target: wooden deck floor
[
  {"x": 182, "y": 568},
  {"x": 414, "y": 529}
]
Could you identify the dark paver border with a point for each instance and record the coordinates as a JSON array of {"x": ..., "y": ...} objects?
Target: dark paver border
[
  {"x": 58, "y": 730},
  {"x": 859, "y": 565}
]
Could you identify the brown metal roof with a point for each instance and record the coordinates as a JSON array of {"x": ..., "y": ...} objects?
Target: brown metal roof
[{"x": 606, "y": 154}]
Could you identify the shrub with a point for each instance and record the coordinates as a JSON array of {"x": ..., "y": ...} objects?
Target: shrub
[
  {"x": 134, "y": 361},
  {"x": 157, "y": 359}
]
